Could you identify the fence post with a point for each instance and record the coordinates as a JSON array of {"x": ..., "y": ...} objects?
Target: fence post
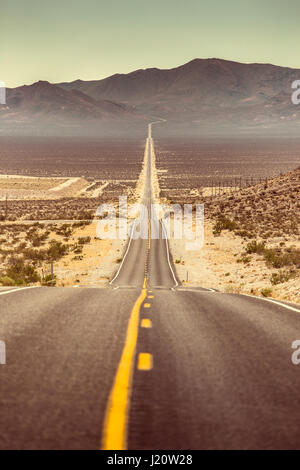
[{"x": 52, "y": 273}]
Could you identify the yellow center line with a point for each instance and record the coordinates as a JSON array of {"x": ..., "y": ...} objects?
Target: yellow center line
[
  {"x": 145, "y": 361},
  {"x": 147, "y": 305},
  {"x": 146, "y": 323},
  {"x": 115, "y": 428},
  {"x": 150, "y": 297}
]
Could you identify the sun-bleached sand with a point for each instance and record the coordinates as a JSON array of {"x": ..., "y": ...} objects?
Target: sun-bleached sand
[{"x": 217, "y": 265}]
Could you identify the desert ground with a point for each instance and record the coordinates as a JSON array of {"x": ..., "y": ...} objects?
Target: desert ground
[
  {"x": 189, "y": 168},
  {"x": 49, "y": 194},
  {"x": 251, "y": 242},
  {"x": 50, "y": 191}
]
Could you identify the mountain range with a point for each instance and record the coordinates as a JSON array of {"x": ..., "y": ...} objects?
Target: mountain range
[{"x": 203, "y": 93}]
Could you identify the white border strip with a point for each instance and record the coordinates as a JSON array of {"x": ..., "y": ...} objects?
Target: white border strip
[
  {"x": 289, "y": 307},
  {"x": 17, "y": 290},
  {"x": 198, "y": 291},
  {"x": 168, "y": 254},
  {"x": 120, "y": 267}
]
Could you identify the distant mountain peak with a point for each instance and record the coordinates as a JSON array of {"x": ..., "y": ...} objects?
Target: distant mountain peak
[{"x": 211, "y": 91}]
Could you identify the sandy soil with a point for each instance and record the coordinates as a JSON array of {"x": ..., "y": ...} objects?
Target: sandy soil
[
  {"x": 65, "y": 184},
  {"x": 216, "y": 266},
  {"x": 94, "y": 266},
  {"x": 99, "y": 259},
  {"x": 16, "y": 187},
  {"x": 28, "y": 182}
]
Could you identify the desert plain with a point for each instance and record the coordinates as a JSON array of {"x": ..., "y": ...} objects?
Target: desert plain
[{"x": 51, "y": 188}]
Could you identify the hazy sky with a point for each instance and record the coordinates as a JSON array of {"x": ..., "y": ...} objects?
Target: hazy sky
[{"x": 62, "y": 40}]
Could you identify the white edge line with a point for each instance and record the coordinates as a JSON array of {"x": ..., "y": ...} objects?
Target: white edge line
[
  {"x": 207, "y": 290},
  {"x": 120, "y": 267},
  {"x": 273, "y": 302},
  {"x": 17, "y": 290},
  {"x": 162, "y": 224},
  {"x": 128, "y": 247},
  {"x": 168, "y": 254}
]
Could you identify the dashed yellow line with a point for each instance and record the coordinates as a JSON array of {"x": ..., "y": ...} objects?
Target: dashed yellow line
[
  {"x": 149, "y": 235},
  {"x": 115, "y": 428},
  {"x": 114, "y": 436},
  {"x": 146, "y": 323},
  {"x": 150, "y": 297},
  {"x": 145, "y": 361}
]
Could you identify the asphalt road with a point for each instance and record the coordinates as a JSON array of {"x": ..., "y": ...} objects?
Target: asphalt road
[
  {"x": 143, "y": 259},
  {"x": 147, "y": 364}
]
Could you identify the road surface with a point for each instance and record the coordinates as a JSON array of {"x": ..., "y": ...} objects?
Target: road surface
[{"x": 147, "y": 363}]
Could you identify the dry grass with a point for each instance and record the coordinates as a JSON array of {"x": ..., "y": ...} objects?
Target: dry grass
[
  {"x": 264, "y": 210},
  {"x": 252, "y": 242}
]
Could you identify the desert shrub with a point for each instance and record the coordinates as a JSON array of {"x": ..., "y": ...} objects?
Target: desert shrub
[
  {"x": 56, "y": 250},
  {"x": 48, "y": 281},
  {"x": 34, "y": 254},
  {"x": 244, "y": 233},
  {"x": 82, "y": 223},
  {"x": 85, "y": 215},
  {"x": 244, "y": 259},
  {"x": 7, "y": 281},
  {"x": 21, "y": 247},
  {"x": 278, "y": 259},
  {"x": 266, "y": 292},
  {"x": 294, "y": 226},
  {"x": 5, "y": 253},
  {"x": 65, "y": 230},
  {"x": 37, "y": 240},
  {"x": 84, "y": 240},
  {"x": 281, "y": 276},
  {"x": 31, "y": 233},
  {"x": 21, "y": 272},
  {"x": 255, "y": 247},
  {"x": 275, "y": 257},
  {"x": 77, "y": 249},
  {"x": 223, "y": 223}
]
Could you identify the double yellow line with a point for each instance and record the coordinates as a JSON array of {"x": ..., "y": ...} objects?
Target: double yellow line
[{"x": 116, "y": 419}]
